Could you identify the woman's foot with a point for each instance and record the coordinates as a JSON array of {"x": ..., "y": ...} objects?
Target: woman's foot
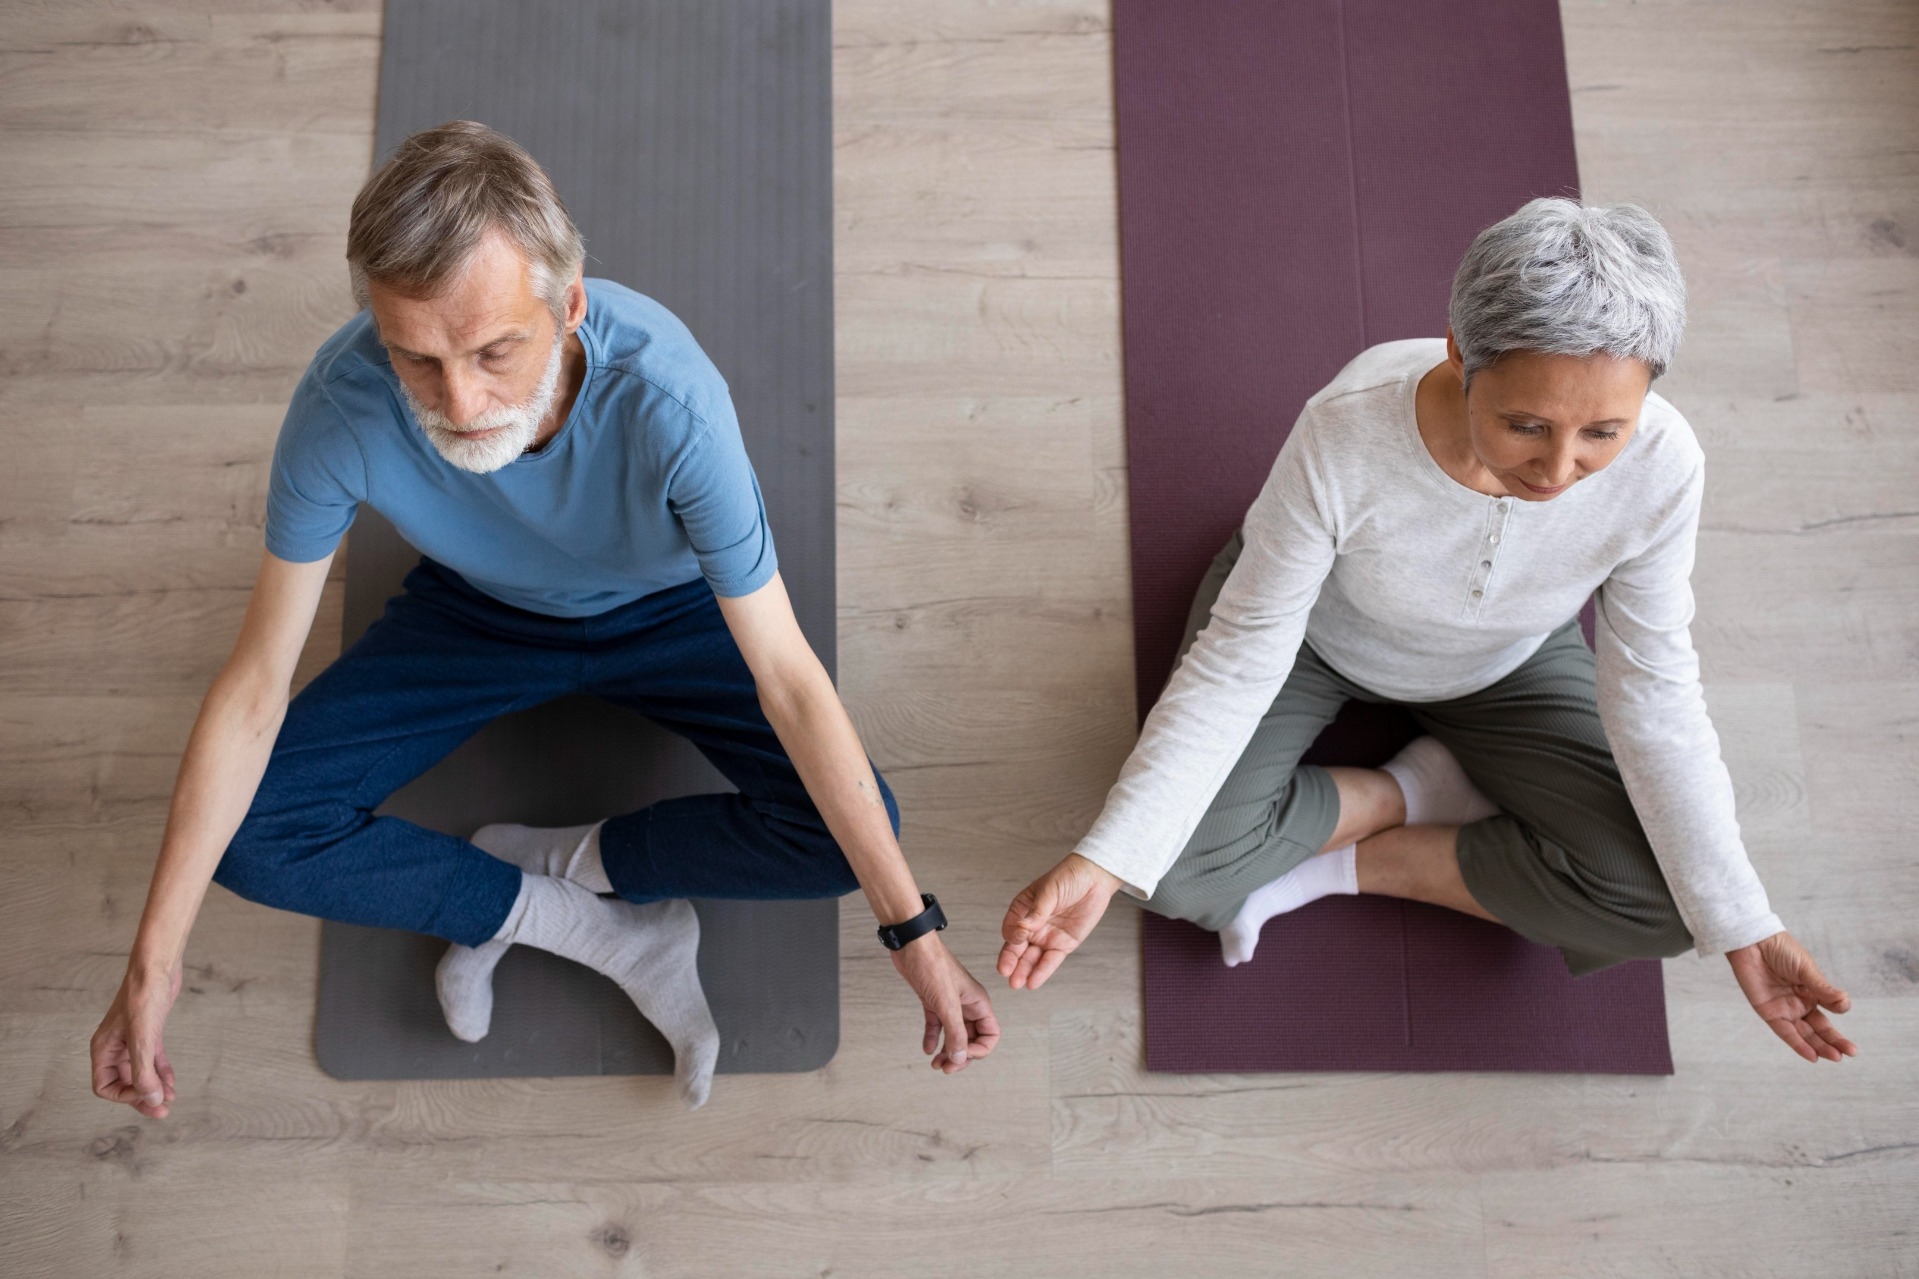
[
  {"x": 1327, "y": 874},
  {"x": 1437, "y": 790}
]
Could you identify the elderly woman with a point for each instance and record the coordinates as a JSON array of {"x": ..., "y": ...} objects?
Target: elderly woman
[{"x": 1428, "y": 535}]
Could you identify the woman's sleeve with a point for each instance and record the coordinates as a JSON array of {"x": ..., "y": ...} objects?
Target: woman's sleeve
[
  {"x": 1228, "y": 679},
  {"x": 1654, "y": 711}
]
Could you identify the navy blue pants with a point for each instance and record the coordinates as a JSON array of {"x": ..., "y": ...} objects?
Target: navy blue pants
[{"x": 446, "y": 659}]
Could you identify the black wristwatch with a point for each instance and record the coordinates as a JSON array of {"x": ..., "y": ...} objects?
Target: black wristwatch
[{"x": 930, "y": 920}]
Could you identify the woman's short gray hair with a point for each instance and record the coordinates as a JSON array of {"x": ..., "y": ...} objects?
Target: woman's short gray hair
[
  {"x": 418, "y": 220},
  {"x": 1570, "y": 279}
]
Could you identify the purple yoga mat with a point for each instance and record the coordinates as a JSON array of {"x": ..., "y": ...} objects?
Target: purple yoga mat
[{"x": 1298, "y": 180}]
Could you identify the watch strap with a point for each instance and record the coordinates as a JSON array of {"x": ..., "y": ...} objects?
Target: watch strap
[{"x": 930, "y": 920}]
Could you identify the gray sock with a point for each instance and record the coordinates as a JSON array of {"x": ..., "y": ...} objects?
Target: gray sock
[
  {"x": 651, "y": 951},
  {"x": 564, "y": 852}
]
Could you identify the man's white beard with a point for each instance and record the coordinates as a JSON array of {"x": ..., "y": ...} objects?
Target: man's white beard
[{"x": 518, "y": 424}]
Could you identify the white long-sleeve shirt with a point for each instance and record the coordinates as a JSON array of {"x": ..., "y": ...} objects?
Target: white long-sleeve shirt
[{"x": 1416, "y": 587}]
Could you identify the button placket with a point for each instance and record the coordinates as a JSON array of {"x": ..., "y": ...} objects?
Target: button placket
[{"x": 1487, "y": 553}]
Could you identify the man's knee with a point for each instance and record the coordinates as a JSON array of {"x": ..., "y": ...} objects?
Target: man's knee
[
  {"x": 253, "y": 865},
  {"x": 262, "y": 862}
]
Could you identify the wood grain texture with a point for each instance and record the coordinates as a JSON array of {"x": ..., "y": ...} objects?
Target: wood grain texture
[{"x": 174, "y": 217}]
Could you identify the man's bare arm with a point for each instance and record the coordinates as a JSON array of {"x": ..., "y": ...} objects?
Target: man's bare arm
[
  {"x": 805, "y": 711},
  {"x": 224, "y": 761}
]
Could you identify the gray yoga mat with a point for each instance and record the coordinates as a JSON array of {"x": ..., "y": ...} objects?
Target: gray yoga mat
[{"x": 691, "y": 139}]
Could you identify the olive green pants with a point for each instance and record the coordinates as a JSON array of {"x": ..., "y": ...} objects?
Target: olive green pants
[{"x": 1565, "y": 861}]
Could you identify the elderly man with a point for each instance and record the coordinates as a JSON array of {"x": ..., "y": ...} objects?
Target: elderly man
[{"x": 568, "y": 460}]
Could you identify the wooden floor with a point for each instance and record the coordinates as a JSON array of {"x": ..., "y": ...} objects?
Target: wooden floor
[{"x": 174, "y": 185}]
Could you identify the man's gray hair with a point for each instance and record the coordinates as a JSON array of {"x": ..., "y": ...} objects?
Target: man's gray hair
[
  {"x": 418, "y": 220},
  {"x": 1570, "y": 279}
]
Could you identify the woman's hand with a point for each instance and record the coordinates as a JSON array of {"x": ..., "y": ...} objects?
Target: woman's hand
[
  {"x": 1785, "y": 986},
  {"x": 129, "y": 1061},
  {"x": 1051, "y": 917},
  {"x": 956, "y": 1005}
]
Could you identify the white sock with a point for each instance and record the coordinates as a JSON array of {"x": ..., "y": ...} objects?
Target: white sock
[
  {"x": 564, "y": 852},
  {"x": 1312, "y": 879},
  {"x": 1437, "y": 790},
  {"x": 651, "y": 951}
]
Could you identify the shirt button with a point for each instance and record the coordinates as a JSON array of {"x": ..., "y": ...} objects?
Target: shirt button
[
  {"x": 1477, "y": 594},
  {"x": 1493, "y": 538},
  {"x": 1485, "y": 563}
]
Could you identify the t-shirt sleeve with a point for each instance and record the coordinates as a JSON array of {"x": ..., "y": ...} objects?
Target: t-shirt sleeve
[
  {"x": 318, "y": 479},
  {"x": 716, "y": 497}
]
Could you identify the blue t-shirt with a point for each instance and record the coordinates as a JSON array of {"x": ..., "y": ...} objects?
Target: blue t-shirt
[{"x": 646, "y": 486}]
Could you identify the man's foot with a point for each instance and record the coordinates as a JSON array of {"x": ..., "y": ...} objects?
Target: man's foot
[
  {"x": 1316, "y": 877},
  {"x": 564, "y": 852},
  {"x": 464, "y": 982},
  {"x": 651, "y": 951},
  {"x": 1437, "y": 790}
]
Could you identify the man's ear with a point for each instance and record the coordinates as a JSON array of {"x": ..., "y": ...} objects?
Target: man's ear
[{"x": 576, "y": 301}]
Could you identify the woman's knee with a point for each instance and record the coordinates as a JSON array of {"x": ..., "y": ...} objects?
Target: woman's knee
[
  {"x": 1596, "y": 890},
  {"x": 1182, "y": 898},
  {"x": 1200, "y": 891}
]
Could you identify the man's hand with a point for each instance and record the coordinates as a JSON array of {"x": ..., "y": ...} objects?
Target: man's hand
[
  {"x": 1785, "y": 987},
  {"x": 956, "y": 1005},
  {"x": 1051, "y": 917},
  {"x": 129, "y": 1061}
]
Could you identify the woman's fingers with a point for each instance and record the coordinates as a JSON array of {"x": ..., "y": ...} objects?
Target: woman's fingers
[
  {"x": 1822, "y": 1026},
  {"x": 1789, "y": 1032},
  {"x": 1028, "y": 911},
  {"x": 1048, "y": 965},
  {"x": 1023, "y": 970},
  {"x": 1017, "y": 928},
  {"x": 1821, "y": 992}
]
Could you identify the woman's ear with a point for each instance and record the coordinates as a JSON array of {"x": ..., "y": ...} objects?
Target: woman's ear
[{"x": 1453, "y": 357}]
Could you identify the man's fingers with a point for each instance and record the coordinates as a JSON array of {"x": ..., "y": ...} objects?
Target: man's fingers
[
  {"x": 930, "y": 1039},
  {"x": 954, "y": 1023},
  {"x": 165, "y": 1068},
  {"x": 146, "y": 1079},
  {"x": 107, "y": 1053},
  {"x": 985, "y": 1032}
]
